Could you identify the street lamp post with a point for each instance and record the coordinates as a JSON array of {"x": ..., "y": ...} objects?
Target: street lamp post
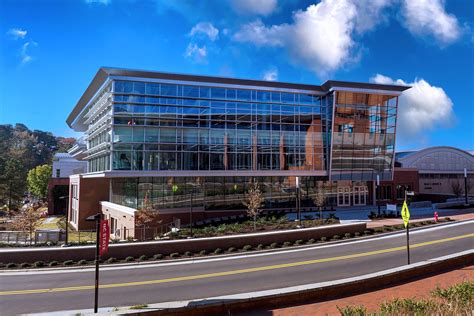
[
  {"x": 191, "y": 213},
  {"x": 67, "y": 219},
  {"x": 465, "y": 186},
  {"x": 298, "y": 209},
  {"x": 377, "y": 193}
]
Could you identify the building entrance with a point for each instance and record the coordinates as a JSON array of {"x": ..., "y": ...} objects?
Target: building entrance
[{"x": 347, "y": 196}]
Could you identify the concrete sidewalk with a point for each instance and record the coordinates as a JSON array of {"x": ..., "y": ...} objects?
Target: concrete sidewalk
[{"x": 398, "y": 221}]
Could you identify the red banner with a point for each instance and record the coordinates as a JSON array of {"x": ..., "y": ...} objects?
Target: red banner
[{"x": 104, "y": 237}]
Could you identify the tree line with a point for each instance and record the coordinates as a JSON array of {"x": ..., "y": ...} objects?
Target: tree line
[{"x": 22, "y": 150}]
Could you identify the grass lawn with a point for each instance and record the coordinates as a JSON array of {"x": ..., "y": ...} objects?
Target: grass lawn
[{"x": 74, "y": 236}]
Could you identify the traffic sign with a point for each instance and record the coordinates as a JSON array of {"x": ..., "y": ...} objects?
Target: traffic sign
[
  {"x": 405, "y": 214},
  {"x": 104, "y": 237}
]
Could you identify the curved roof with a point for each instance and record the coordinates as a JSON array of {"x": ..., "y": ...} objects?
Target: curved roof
[{"x": 438, "y": 158}]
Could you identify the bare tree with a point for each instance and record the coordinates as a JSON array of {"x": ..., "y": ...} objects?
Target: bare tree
[
  {"x": 27, "y": 221},
  {"x": 254, "y": 201},
  {"x": 146, "y": 215},
  {"x": 456, "y": 188},
  {"x": 320, "y": 199}
]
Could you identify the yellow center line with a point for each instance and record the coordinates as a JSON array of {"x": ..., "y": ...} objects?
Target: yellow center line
[{"x": 233, "y": 272}]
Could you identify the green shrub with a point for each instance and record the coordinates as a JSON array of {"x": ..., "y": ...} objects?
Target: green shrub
[
  {"x": 311, "y": 241},
  {"x": 336, "y": 237},
  {"x": 247, "y": 248},
  {"x": 299, "y": 242},
  {"x": 274, "y": 245},
  {"x": 459, "y": 297},
  {"x": 82, "y": 262},
  {"x": 408, "y": 306},
  {"x": 287, "y": 244},
  {"x": 379, "y": 230},
  {"x": 323, "y": 239},
  {"x": 68, "y": 262},
  {"x": 143, "y": 258},
  {"x": 356, "y": 234},
  {"x": 129, "y": 259},
  {"x": 174, "y": 255},
  {"x": 231, "y": 249},
  {"x": 53, "y": 263},
  {"x": 448, "y": 219},
  {"x": 24, "y": 265},
  {"x": 348, "y": 235},
  {"x": 39, "y": 264},
  {"x": 111, "y": 260},
  {"x": 218, "y": 251},
  {"x": 368, "y": 232},
  {"x": 188, "y": 254},
  {"x": 11, "y": 265},
  {"x": 353, "y": 310},
  {"x": 202, "y": 252},
  {"x": 158, "y": 256},
  {"x": 139, "y": 306},
  {"x": 2, "y": 265},
  {"x": 260, "y": 247}
]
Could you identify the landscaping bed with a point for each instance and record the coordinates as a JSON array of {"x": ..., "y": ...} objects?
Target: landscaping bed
[{"x": 156, "y": 257}]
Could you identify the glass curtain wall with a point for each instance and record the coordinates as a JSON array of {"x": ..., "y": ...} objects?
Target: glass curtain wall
[
  {"x": 216, "y": 193},
  {"x": 364, "y": 136},
  {"x": 159, "y": 126}
]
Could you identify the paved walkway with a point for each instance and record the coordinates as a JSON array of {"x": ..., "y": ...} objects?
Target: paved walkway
[
  {"x": 372, "y": 300},
  {"x": 397, "y": 221}
]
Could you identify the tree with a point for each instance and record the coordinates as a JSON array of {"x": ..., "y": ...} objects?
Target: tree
[
  {"x": 12, "y": 182},
  {"x": 38, "y": 179},
  {"x": 27, "y": 220},
  {"x": 254, "y": 201},
  {"x": 146, "y": 215},
  {"x": 456, "y": 188},
  {"x": 320, "y": 198}
]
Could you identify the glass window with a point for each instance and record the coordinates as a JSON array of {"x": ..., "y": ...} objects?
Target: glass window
[
  {"x": 169, "y": 90},
  {"x": 204, "y": 92},
  {"x": 191, "y": 91},
  {"x": 231, "y": 94},
  {"x": 218, "y": 93},
  {"x": 287, "y": 98},
  {"x": 122, "y": 134},
  {"x": 263, "y": 96},
  {"x": 153, "y": 88},
  {"x": 244, "y": 95},
  {"x": 128, "y": 86},
  {"x": 168, "y": 135},
  {"x": 119, "y": 86},
  {"x": 139, "y": 87},
  {"x": 122, "y": 160}
]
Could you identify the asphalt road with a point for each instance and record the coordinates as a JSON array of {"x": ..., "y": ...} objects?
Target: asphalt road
[{"x": 45, "y": 291}]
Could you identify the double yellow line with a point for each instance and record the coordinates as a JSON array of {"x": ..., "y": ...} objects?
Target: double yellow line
[{"x": 233, "y": 272}]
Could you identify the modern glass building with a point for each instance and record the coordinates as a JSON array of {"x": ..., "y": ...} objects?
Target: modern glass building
[{"x": 167, "y": 139}]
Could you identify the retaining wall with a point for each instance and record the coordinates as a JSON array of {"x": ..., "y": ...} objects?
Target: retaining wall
[{"x": 120, "y": 251}]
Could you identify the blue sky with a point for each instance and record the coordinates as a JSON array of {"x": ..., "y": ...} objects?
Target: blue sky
[{"x": 50, "y": 51}]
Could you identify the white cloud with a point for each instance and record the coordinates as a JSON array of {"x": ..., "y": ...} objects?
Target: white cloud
[
  {"x": 205, "y": 28},
  {"x": 104, "y": 2},
  {"x": 320, "y": 37},
  {"x": 17, "y": 33},
  {"x": 196, "y": 53},
  {"x": 270, "y": 74},
  {"x": 256, "y": 7},
  {"x": 24, "y": 54},
  {"x": 370, "y": 13},
  {"x": 420, "y": 108},
  {"x": 429, "y": 17}
]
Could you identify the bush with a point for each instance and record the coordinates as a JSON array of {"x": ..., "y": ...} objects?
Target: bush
[
  {"x": 174, "y": 255},
  {"x": 11, "y": 265},
  {"x": 24, "y": 265},
  {"x": 368, "y": 232},
  {"x": 336, "y": 237},
  {"x": 299, "y": 242},
  {"x": 287, "y": 244},
  {"x": 188, "y": 254},
  {"x": 356, "y": 234},
  {"x": 53, "y": 263},
  {"x": 231, "y": 249},
  {"x": 353, "y": 310},
  {"x": 2, "y": 265},
  {"x": 247, "y": 248},
  {"x": 378, "y": 230},
  {"x": 323, "y": 239},
  {"x": 68, "y": 262},
  {"x": 348, "y": 235},
  {"x": 311, "y": 241},
  {"x": 143, "y": 258},
  {"x": 158, "y": 256},
  {"x": 274, "y": 245},
  {"x": 111, "y": 260},
  {"x": 39, "y": 264},
  {"x": 218, "y": 251},
  {"x": 260, "y": 247},
  {"x": 82, "y": 262},
  {"x": 129, "y": 259},
  {"x": 203, "y": 252}
]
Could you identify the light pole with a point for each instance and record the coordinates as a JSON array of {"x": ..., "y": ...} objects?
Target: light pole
[
  {"x": 377, "y": 193},
  {"x": 298, "y": 209},
  {"x": 191, "y": 213},
  {"x": 67, "y": 219},
  {"x": 465, "y": 186}
]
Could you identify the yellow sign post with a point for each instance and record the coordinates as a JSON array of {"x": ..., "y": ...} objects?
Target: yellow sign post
[{"x": 406, "y": 219}]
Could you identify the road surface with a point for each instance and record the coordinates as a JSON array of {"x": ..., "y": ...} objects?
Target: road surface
[{"x": 46, "y": 291}]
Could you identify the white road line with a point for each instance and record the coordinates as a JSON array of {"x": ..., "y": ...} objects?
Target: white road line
[{"x": 235, "y": 257}]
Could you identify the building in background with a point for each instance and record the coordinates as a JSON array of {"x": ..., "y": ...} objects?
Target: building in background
[
  {"x": 64, "y": 165},
  {"x": 169, "y": 140}
]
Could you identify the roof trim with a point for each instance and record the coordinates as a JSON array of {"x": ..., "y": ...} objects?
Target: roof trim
[{"x": 104, "y": 72}]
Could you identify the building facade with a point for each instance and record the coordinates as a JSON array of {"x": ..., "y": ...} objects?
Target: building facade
[{"x": 171, "y": 141}]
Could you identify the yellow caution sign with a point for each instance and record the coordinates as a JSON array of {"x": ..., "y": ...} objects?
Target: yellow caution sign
[{"x": 405, "y": 214}]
